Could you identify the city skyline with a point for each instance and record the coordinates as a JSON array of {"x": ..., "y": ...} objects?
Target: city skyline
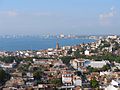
[{"x": 64, "y": 16}]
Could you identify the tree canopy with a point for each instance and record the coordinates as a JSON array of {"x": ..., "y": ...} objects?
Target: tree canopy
[{"x": 94, "y": 83}]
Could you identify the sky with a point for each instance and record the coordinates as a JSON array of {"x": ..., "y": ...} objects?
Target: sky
[{"x": 84, "y": 17}]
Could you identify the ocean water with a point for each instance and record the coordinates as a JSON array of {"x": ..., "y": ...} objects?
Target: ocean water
[{"x": 33, "y": 43}]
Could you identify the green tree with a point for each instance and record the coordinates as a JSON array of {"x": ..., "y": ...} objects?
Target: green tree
[
  {"x": 3, "y": 76},
  {"x": 57, "y": 81},
  {"x": 106, "y": 67},
  {"x": 66, "y": 59},
  {"x": 10, "y": 59},
  {"x": 77, "y": 53},
  {"x": 91, "y": 69},
  {"x": 94, "y": 83},
  {"x": 23, "y": 68},
  {"x": 78, "y": 73},
  {"x": 37, "y": 75}
]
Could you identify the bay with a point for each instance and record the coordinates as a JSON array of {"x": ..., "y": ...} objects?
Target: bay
[{"x": 33, "y": 43}]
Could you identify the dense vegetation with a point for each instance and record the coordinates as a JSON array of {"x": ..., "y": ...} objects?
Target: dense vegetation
[
  {"x": 10, "y": 59},
  {"x": 57, "y": 81},
  {"x": 3, "y": 76},
  {"x": 94, "y": 83},
  {"x": 66, "y": 59}
]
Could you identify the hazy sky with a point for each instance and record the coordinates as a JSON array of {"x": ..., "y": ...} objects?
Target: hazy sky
[{"x": 60, "y": 16}]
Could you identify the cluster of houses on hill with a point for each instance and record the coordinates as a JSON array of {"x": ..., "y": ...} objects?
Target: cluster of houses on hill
[
  {"x": 77, "y": 74},
  {"x": 56, "y": 69}
]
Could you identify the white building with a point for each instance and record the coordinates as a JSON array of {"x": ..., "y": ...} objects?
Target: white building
[
  {"x": 62, "y": 35},
  {"x": 105, "y": 73},
  {"x": 111, "y": 87},
  {"x": 97, "y": 64},
  {"x": 112, "y": 37},
  {"x": 87, "y": 52},
  {"x": 79, "y": 63},
  {"x": 42, "y": 61},
  {"x": 77, "y": 81},
  {"x": 8, "y": 65},
  {"x": 70, "y": 80},
  {"x": 115, "y": 83},
  {"x": 67, "y": 78}
]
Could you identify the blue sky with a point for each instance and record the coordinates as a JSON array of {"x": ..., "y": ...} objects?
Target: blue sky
[{"x": 59, "y": 16}]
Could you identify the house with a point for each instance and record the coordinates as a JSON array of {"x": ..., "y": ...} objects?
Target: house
[
  {"x": 42, "y": 61},
  {"x": 112, "y": 37},
  {"x": 77, "y": 63},
  {"x": 97, "y": 64},
  {"x": 67, "y": 78},
  {"x": 87, "y": 52},
  {"x": 77, "y": 81},
  {"x": 8, "y": 65},
  {"x": 105, "y": 73},
  {"x": 111, "y": 87},
  {"x": 115, "y": 83}
]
